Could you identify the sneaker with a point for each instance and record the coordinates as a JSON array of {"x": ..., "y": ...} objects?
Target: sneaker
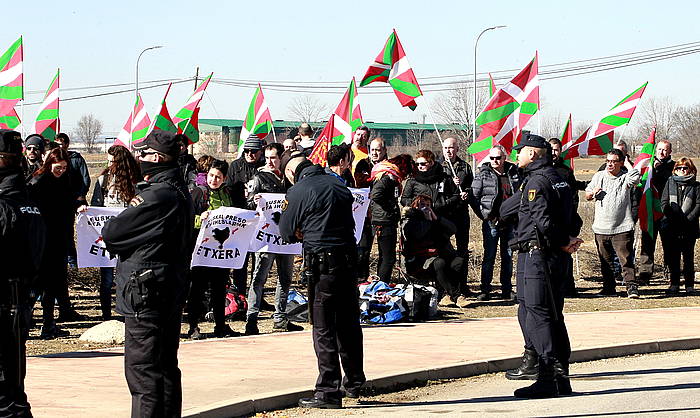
[
  {"x": 251, "y": 327},
  {"x": 690, "y": 291},
  {"x": 482, "y": 297},
  {"x": 286, "y": 325},
  {"x": 462, "y": 302},
  {"x": 673, "y": 290},
  {"x": 632, "y": 292},
  {"x": 225, "y": 331},
  {"x": 447, "y": 302},
  {"x": 50, "y": 332}
]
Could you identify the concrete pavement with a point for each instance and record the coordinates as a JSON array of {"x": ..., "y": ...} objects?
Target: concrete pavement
[{"x": 235, "y": 376}]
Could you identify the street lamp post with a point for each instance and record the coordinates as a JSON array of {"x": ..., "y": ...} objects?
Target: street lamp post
[
  {"x": 476, "y": 43},
  {"x": 137, "y": 65}
]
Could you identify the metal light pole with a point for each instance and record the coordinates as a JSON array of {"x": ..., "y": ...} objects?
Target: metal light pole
[
  {"x": 476, "y": 43},
  {"x": 137, "y": 65}
]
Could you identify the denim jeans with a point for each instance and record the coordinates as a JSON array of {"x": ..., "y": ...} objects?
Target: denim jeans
[
  {"x": 263, "y": 264},
  {"x": 495, "y": 238}
]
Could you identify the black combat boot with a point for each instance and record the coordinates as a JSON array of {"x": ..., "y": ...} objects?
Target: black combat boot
[
  {"x": 527, "y": 369},
  {"x": 561, "y": 375},
  {"x": 544, "y": 387}
]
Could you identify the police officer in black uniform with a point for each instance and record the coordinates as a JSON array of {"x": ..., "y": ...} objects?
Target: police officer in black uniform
[
  {"x": 22, "y": 236},
  {"x": 319, "y": 214},
  {"x": 544, "y": 235},
  {"x": 152, "y": 239}
]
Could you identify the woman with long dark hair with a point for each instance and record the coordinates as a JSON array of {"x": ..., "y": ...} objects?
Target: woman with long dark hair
[
  {"x": 114, "y": 188},
  {"x": 680, "y": 203},
  {"x": 50, "y": 189}
]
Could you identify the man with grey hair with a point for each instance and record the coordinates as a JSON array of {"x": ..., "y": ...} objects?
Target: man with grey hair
[
  {"x": 495, "y": 181},
  {"x": 462, "y": 177}
]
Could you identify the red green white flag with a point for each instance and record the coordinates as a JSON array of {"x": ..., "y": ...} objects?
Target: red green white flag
[
  {"x": 124, "y": 136},
  {"x": 650, "y": 206},
  {"x": 646, "y": 154},
  {"x": 141, "y": 122},
  {"x": 10, "y": 121},
  {"x": 181, "y": 118},
  {"x": 163, "y": 121},
  {"x": 349, "y": 115},
  {"x": 11, "y": 77},
  {"x": 508, "y": 111},
  {"x": 257, "y": 120},
  {"x": 319, "y": 153},
  {"x": 391, "y": 66},
  {"x": 492, "y": 86},
  {"x": 47, "y": 119},
  {"x": 567, "y": 140},
  {"x": 598, "y": 138}
]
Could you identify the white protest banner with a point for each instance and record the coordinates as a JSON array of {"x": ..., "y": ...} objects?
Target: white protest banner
[
  {"x": 359, "y": 209},
  {"x": 266, "y": 237},
  {"x": 88, "y": 227},
  {"x": 224, "y": 238}
]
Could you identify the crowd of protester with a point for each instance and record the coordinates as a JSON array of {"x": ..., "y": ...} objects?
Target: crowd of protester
[{"x": 419, "y": 205}]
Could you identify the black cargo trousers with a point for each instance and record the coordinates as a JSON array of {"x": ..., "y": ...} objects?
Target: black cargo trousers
[{"x": 335, "y": 313}]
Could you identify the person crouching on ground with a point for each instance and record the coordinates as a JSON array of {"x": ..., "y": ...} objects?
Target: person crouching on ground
[{"x": 428, "y": 249}]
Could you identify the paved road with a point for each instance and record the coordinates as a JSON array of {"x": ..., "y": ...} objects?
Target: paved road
[{"x": 658, "y": 385}]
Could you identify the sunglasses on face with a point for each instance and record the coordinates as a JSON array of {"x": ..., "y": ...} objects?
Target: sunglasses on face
[
  {"x": 421, "y": 163},
  {"x": 249, "y": 151},
  {"x": 682, "y": 168},
  {"x": 32, "y": 148},
  {"x": 497, "y": 158}
]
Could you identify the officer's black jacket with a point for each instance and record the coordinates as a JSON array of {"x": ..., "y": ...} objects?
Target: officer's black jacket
[
  {"x": 319, "y": 206},
  {"x": 545, "y": 205},
  {"x": 22, "y": 235},
  {"x": 153, "y": 232},
  {"x": 57, "y": 202}
]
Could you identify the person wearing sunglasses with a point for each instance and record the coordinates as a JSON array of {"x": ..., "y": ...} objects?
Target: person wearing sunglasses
[
  {"x": 33, "y": 152},
  {"x": 495, "y": 181},
  {"x": 613, "y": 221},
  {"x": 680, "y": 204}
]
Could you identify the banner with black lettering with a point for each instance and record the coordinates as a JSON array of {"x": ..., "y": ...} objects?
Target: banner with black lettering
[
  {"x": 266, "y": 237},
  {"x": 88, "y": 227},
  {"x": 224, "y": 238},
  {"x": 359, "y": 210}
]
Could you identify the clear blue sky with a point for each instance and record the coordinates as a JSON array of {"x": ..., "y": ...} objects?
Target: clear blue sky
[{"x": 98, "y": 42}]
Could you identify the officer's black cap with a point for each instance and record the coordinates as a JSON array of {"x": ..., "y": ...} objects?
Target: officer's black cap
[
  {"x": 10, "y": 142},
  {"x": 162, "y": 141},
  {"x": 531, "y": 140}
]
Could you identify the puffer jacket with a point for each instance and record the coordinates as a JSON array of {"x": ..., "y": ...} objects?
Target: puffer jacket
[{"x": 486, "y": 188}]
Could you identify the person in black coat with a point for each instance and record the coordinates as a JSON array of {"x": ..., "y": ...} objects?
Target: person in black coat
[
  {"x": 429, "y": 251},
  {"x": 22, "y": 235},
  {"x": 431, "y": 180},
  {"x": 51, "y": 189},
  {"x": 680, "y": 204},
  {"x": 151, "y": 239}
]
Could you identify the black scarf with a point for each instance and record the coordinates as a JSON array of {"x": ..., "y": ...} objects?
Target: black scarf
[
  {"x": 150, "y": 169},
  {"x": 434, "y": 174},
  {"x": 678, "y": 192}
]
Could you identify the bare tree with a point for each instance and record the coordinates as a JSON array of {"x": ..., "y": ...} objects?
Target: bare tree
[
  {"x": 456, "y": 107},
  {"x": 308, "y": 109},
  {"x": 659, "y": 112},
  {"x": 687, "y": 123},
  {"x": 89, "y": 128}
]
